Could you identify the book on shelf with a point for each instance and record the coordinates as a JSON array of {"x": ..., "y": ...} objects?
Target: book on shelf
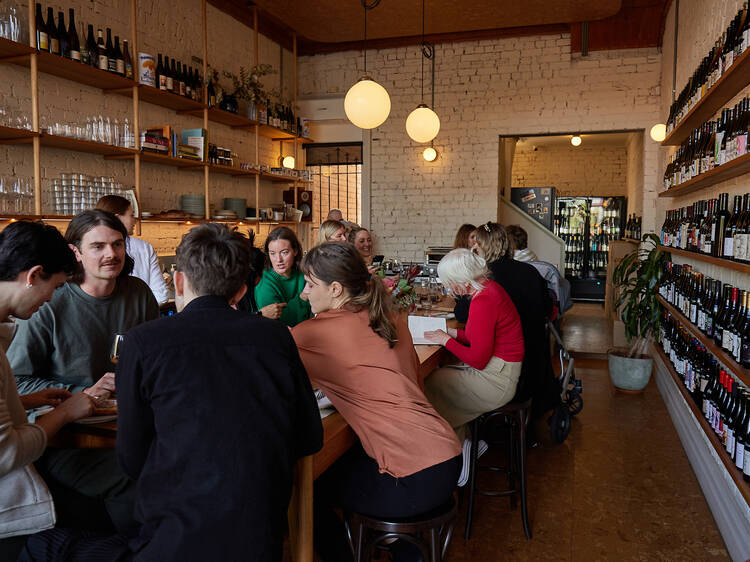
[{"x": 197, "y": 139}]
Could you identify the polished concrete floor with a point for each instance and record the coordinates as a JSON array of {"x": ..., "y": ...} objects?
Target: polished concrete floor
[{"x": 619, "y": 488}]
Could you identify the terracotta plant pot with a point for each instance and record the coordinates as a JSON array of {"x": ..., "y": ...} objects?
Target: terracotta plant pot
[{"x": 629, "y": 373}]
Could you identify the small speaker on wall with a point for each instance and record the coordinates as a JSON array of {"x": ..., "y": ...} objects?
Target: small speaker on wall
[{"x": 304, "y": 202}]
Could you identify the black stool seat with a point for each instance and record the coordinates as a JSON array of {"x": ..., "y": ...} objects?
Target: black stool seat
[
  {"x": 514, "y": 416},
  {"x": 430, "y": 532}
]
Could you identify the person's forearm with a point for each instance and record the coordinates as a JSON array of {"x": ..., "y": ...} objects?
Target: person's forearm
[{"x": 52, "y": 422}]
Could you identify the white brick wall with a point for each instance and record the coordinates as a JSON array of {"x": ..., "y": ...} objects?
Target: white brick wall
[
  {"x": 635, "y": 176},
  {"x": 230, "y": 46},
  {"x": 483, "y": 89},
  {"x": 599, "y": 170}
]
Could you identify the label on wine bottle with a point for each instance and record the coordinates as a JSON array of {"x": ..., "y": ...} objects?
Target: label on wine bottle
[
  {"x": 746, "y": 466},
  {"x": 120, "y": 66},
  {"x": 103, "y": 62},
  {"x": 75, "y": 55},
  {"x": 170, "y": 83},
  {"x": 728, "y": 246},
  {"x": 128, "y": 70},
  {"x": 162, "y": 82},
  {"x": 739, "y": 455},
  {"x": 54, "y": 46},
  {"x": 42, "y": 40},
  {"x": 741, "y": 144},
  {"x": 729, "y": 440}
]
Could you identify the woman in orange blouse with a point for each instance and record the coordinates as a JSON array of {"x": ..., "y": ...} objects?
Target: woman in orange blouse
[{"x": 362, "y": 356}]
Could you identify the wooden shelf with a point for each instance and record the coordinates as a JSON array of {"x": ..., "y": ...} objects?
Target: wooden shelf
[
  {"x": 71, "y": 70},
  {"x": 720, "y": 262},
  {"x": 300, "y": 140},
  {"x": 732, "y": 169},
  {"x": 737, "y": 370},
  {"x": 232, "y": 171},
  {"x": 734, "y": 473},
  {"x": 10, "y": 49},
  {"x": 11, "y": 135},
  {"x": 631, "y": 240},
  {"x": 175, "y": 102},
  {"x": 217, "y": 115},
  {"x": 165, "y": 160},
  {"x": 279, "y": 178},
  {"x": 102, "y": 149},
  {"x": 729, "y": 85}
]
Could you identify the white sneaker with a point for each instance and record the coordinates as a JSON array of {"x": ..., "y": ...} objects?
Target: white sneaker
[{"x": 466, "y": 450}]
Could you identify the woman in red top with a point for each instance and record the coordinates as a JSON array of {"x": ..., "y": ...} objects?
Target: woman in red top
[
  {"x": 491, "y": 347},
  {"x": 363, "y": 358}
]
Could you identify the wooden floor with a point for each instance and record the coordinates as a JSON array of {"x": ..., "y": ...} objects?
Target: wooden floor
[{"x": 619, "y": 488}]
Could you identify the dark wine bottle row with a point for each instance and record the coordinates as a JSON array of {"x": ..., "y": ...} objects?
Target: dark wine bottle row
[
  {"x": 92, "y": 52},
  {"x": 709, "y": 227},
  {"x": 633, "y": 227},
  {"x": 733, "y": 42},
  {"x": 178, "y": 78},
  {"x": 723, "y": 401},
  {"x": 722, "y": 313},
  {"x": 711, "y": 145}
]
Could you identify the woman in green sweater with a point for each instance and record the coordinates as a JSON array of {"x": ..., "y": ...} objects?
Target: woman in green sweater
[{"x": 282, "y": 281}]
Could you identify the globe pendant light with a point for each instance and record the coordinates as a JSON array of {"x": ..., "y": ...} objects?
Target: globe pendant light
[
  {"x": 423, "y": 124},
  {"x": 659, "y": 132},
  {"x": 430, "y": 154},
  {"x": 367, "y": 104}
]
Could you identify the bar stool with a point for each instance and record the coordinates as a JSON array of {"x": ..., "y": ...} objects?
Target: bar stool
[
  {"x": 514, "y": 416},
  {"x": 431, "y": 532}
]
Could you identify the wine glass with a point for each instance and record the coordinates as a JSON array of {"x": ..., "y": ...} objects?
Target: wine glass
[{"x": 117, "y": 341}]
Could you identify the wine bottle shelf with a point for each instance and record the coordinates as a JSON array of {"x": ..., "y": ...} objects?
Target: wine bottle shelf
[
  {"x": 17, "y": 53},
  {"x": 11, "y": 135},
  {"x": 631, "y": 240},
  {"x": 728, "y": 86},
  {"x": 734, "y": 472},
  {"x": 735, "y": 168},
  {"x": 175, "y": 102},
  {"x": 737, "y": 370},
  {"x": 720, "y": 262}
]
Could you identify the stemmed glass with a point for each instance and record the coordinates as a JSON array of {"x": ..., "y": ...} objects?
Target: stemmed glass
[{"x": 117, "y": 341}]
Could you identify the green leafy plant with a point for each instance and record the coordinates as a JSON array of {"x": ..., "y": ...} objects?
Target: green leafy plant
[
  {"x": 636, "y": 279},
  {"x": 247, "y": 85}
]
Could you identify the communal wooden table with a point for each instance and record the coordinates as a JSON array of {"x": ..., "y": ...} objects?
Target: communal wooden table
[{"x": 338, "y": 437}]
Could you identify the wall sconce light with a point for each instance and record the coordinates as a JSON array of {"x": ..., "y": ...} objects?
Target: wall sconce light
[
  {"x": 430, "y": 154},
  {"x": 576, "y": 141}
]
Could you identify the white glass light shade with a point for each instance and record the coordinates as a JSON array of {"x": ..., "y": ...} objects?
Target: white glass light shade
[
  {"x": 659, "y": 132},
  {"x": 423, "y": 124},
  {"x": 288, "y": 162},
  {"x": 367, "y": 104},
  {"x": 429, "y": 154},
  {"x": 576, "y": 141}
]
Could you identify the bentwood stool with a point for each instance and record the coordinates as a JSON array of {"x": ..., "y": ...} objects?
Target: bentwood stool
[
  {"x": 514, "y": 418},
  {"x": 430, "y": 532}
]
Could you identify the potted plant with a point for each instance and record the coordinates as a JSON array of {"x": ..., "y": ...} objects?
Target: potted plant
[
  {"x": 248, "y": 89},
  {"x": 636, "y": 279}
]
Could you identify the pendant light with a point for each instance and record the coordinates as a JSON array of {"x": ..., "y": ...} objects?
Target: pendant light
[
  {"x": 423, "y": 124},
  {"x": 658, "y": 132},
  {"x": 285, "y": 161},
  {"x": 367, "y": 103}
]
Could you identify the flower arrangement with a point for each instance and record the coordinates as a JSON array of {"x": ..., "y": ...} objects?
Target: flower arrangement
[
  {"x": 401, "y": 287},
  {"x": 247, "y": 86}
]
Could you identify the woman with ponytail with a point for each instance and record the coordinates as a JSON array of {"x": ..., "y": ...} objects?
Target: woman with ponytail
[{"x": 362, "y": 356}]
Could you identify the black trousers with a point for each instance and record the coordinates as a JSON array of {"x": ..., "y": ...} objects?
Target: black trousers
[{"x": 354, "y": 484}]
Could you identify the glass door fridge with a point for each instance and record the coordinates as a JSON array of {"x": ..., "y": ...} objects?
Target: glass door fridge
[{"x": 587, "y": 225}]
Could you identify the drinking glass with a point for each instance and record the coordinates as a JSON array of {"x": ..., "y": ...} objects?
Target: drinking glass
[{"x": 117, "y": 341}]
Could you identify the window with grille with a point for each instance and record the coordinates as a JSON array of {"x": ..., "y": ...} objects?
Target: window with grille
[{"x": 336, "y": 170}]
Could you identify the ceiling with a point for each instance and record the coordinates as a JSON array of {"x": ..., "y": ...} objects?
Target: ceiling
[
  {"x": 337, "y": 25},
  {"x": 590, "y": 140}
]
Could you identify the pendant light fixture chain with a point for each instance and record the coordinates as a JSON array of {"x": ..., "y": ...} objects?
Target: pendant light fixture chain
[
  {"x": 427, "y": 53},
  {"x": 366, "y": 7}
]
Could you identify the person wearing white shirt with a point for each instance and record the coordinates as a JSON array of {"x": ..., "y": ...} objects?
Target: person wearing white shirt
[{"x": 146, "y": 263}]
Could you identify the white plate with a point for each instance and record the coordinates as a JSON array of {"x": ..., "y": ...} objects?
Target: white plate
[{"x": 96, "y": 419}]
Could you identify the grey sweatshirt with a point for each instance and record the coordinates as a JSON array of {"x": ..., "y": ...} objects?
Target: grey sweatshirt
[{"x": 67, "y": 342}]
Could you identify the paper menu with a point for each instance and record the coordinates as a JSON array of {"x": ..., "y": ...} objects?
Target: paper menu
[{"x": 418, "y": 325}]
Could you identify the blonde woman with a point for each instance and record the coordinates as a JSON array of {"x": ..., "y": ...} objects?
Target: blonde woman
[{"x": 331, "y": 231}]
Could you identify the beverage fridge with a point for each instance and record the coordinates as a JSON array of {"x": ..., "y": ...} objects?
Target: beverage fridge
[{"x": 587, "y": 225}]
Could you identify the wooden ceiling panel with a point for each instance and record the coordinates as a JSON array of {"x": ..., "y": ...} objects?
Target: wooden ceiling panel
[{"x": 341, "y": 21}]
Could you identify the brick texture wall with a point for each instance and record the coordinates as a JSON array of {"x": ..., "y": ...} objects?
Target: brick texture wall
[
  {"x": 572, "y": 171},
  {"x": 483, "y": 89},
  {"x": 230, "y": 46},
  {"x": 635, "y": 161},
  {"x": 700, "y": 25}
]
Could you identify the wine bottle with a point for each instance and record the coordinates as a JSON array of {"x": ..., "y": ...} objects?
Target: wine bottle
[
  {"x": 54, "y": 40},
  {"x": 175, "y": 77},
  {"x": 741, "y": 434},
  {"x": 73, "y": 41},
  {"x": 161, "y": 78},
  {"x": 211, "y": 94},
  {"x": 111, "y": 55},
  {"x": 119, "y": 59},
  {"x": 93, "y": 48},
  {"x": 169, "y": 75},
  {"x": 42, "y": 37},
  {"x": 189, "y": 82},
  {"x": 62, "y": 37},
  {"x": 180, "y": 80},
  {"x": 102, "y": 55},
  {"x": 128, "y": 62}
]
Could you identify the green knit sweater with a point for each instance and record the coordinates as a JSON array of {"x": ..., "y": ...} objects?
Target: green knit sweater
[{"x": 275, "y": 288}]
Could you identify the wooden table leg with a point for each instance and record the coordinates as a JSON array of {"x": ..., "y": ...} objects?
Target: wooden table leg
[{"x": 300, "y": 514}]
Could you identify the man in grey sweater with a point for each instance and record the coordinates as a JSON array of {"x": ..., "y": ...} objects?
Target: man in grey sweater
[{"x": 67, "y": 343}]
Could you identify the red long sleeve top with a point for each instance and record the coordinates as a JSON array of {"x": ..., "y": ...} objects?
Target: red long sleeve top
[{"x": 492, "y": 330}]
